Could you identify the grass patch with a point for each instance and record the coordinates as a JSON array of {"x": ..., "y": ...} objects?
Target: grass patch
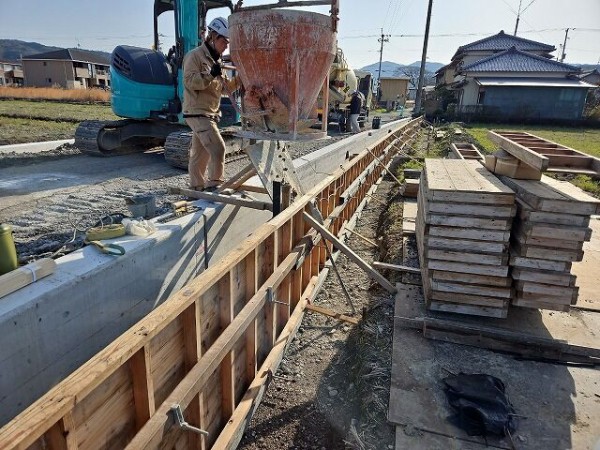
[
  {"x": 20, "y": 131},
  {"x": 23, "y": 121},
  {"x": 587, "y": 184},
  {"x": 70, "y": 95},
  {"x": 585, "y": 140},
  {"x": 44, "y": 110}
]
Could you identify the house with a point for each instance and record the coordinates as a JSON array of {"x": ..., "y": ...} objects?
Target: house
[
  {"x": 67, "y": 68},
  {"x": 508, "y": 77},
  {"x": 591, "y": 77},
  {"x": 393, "y": 91},
  {"x": 11, "y": 74}
]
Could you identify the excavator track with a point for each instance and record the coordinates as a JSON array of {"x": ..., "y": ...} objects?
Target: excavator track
[
  {"x": 112, "y": 138},
  {"x": 177, "y": 147}
]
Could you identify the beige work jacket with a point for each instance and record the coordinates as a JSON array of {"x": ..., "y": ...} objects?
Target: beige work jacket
[{"x": 202, "y": 91}]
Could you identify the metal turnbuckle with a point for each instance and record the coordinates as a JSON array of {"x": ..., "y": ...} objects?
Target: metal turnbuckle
[{"x": 181, "y": 423}]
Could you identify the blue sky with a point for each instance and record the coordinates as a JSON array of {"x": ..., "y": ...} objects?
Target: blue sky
[{"x": 103, "y": 25}]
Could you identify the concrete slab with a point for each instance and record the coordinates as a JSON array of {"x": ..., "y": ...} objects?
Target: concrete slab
[{"x": 34, "y": 147}]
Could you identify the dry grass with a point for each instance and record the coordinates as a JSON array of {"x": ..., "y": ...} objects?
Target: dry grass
[{"x": 57, "y": 94}]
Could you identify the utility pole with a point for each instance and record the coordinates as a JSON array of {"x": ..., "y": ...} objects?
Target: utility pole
[
  {"x": 418, "y": 99},
  {"x": 564, "y": 47},
  {"x": 518, "y": 18},
  {"x": 382, "y": 39}
]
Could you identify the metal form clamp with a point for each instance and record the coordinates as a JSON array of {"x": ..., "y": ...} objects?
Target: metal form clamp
[{"x": 181, "y": 423}]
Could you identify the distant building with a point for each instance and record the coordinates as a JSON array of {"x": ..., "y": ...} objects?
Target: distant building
[
  {"x": 11, "y": 74},
  {"x": 67, "y": 68},
  {"x": 591, "y": 77},
  {"x": 394, "y": 91},
  {"x": 508, "y": 77}
]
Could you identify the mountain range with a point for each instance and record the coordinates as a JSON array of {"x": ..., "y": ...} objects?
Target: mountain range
[{"x": 11, "y": 50}]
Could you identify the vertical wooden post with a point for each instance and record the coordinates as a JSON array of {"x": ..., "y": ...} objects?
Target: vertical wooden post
[
  {"x": 226, "y": 314},
  {"x": 143, "y": 386},
  {"x": 62, "y": 435},
  {"x": 190, "y": 320}
]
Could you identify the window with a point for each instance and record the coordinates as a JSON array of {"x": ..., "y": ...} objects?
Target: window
[{"x": 481, "y": 97}]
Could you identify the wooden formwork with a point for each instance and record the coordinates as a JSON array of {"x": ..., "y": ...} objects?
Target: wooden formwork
[{"x": 213, "y": 346}]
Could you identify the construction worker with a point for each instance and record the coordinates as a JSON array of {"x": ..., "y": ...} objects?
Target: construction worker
[
  {"x": 355, "y": 105},
  {"x": 204, "y": 81}
]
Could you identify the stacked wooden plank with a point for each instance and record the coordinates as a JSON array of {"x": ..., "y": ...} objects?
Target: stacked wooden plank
[
  {"x": 547, "y": 237},
  {"x": 463, "y": 229}
]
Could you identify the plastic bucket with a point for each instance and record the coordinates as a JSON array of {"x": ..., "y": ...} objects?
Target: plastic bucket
[
  {"x": 141, "y": 206},
  {"x": 376, "y": 123}
]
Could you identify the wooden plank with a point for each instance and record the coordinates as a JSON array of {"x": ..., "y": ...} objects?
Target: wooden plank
[
  {"x": 468, "y": 278},
  {"x": 543, "y": 276},
  {"x": 468, "y": 233},
  {"x": 473, "y": 310},
  {"x": 527, "y": 214},
  {"x": 143, "y": 386},
  {"x": 449, "y": 209},
  {"x": 519, "y": 151},
  {"x": 333, "y": 314},
  {"x": 62, "y": 435},
  {"x": 220, "y": 198},
  {"x": 21, "y": 277},
  {"x": 546, "y": 289},
  {"x": 396, "y": 267},
  {"x": 464, "y": 257},
  {"x": 530, "y": 251},
  {"x": 550, "y": 195},
  {"x": 464, "y": 267},
  {"x": 468, "y": 222},
  {"x": 488, "y": 247},
  {"x": 473, "y": 289},
  {"x": 540, "y": 305},
  {"x": 551, "y": 231},
  {"x": 548, "y": 243},
  {"x": 461, "y": 177},
  {"x": 350, "y": 254},
  {"x": 532, "y": 263}
]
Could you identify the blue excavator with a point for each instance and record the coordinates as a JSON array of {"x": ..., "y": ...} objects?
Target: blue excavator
[{"x": 147, "y": 91}]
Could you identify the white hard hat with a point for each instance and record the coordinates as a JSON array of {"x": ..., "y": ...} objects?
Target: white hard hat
[{"x": 219, "y": 26}]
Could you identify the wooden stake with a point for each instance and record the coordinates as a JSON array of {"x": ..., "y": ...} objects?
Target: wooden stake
[
  {"x": 350, "y": 254},
  {"x": 330, "y": 313},
  {"x": 219, "y": 198}
]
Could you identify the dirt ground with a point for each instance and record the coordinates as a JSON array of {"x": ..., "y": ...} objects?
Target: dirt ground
[{"x": 332, "y": 389}]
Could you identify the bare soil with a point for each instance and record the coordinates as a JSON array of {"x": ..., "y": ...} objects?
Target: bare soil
[{"x": 332, "y": 388}]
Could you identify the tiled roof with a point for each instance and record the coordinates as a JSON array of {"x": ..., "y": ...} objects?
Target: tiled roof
[
  {"x": 513, "y": 60},
  {"x": 72, "y": 54},
  {"x": 503, "y": 41}
]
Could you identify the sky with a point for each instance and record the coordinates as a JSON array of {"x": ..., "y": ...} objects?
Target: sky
[{"x": 104, "y": 25}]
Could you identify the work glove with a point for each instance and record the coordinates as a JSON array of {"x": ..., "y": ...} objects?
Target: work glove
[{"x": 216, "y": 70}]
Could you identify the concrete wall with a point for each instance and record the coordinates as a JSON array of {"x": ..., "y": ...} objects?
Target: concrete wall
[{"x": 53, "y": 326}]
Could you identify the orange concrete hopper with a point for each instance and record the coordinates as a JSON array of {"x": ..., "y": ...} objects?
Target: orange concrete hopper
[{"x": 283, "y": 57}]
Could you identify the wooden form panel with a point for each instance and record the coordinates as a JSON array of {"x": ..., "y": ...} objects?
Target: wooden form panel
[
  {"x": 545, "y": 155},
  {"x": 465, "y": 150},
  {"x": 203, "y": 348}
]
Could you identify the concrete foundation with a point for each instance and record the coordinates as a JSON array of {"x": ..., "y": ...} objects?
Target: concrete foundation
[{"x": 54, "y": 325}]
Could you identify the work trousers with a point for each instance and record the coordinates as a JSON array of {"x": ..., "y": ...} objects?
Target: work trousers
[
  {"x": 208, "y": 151},
  {"x": 354, "y": 123}
]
